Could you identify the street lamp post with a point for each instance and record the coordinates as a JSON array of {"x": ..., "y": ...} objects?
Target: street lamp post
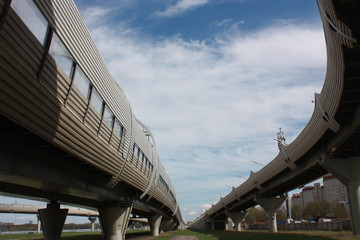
[
  {"x": 241, "y": 176},
  {"x": 281, "y": 143}
]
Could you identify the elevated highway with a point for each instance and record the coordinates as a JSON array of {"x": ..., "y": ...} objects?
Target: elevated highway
[
  {"x": 71, "y": 211},
  {"x": 329, "y": 142},
  {"x": 67, "y": 131},
  {"x": 33, "y": 209}
]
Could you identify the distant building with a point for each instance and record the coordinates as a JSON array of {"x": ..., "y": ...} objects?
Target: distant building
[
  {"x": 331, "y": 190},
  {"x": 311, "y": 194},
  {"x": 334, "y": 190},
  {"x": 296, "y": 199}
]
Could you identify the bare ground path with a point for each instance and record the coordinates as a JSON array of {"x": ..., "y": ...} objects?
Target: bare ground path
[{"x": 185, "y": 237}]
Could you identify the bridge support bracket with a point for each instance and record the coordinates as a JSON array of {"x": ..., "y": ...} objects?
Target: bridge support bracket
[
  {"x": 347, "y": 171},
  {"x": 114, "y": 221},
  {"x": 271, "y": 205},
  {"x": 52, "y": 220},
  {"x": 154, "y": 222},
  {"x": 333, "y": 124},
  {"x": 236, "y": 218}
]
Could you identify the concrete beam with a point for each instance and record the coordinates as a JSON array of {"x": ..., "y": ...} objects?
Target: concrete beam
[
  {"x": 154, "y": 223},
  {"x": 347, "y": 171},
  {"x": 52, "y": 220},
  {"x": 271, "y": 205},
  {"x": 114, "y": 221}
]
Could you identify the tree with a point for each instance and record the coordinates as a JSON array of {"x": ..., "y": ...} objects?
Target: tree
[
  {"x": 310, "y": 211},
  {"x": 314, "y": 210},
  {"x": 256, "y": 215},
  {"x": 338, "y": 210},
  {"x": 324, "y": 208},
  {"x": 281, "y": 214},
  {"x": 296, "y": 212}
]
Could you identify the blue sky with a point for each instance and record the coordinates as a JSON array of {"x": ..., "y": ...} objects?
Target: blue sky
[{"x": 214, "y": 81}]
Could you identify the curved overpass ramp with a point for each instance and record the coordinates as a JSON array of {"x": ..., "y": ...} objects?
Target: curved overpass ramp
[
  {"x": 67, "y": 131},
  {"x": 329, "y": 142}
]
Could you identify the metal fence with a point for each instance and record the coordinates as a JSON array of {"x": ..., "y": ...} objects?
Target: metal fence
[{"x": 324, "y": 226}]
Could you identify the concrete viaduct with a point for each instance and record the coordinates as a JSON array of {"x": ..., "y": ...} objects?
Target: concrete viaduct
[
  {"x": 67, "y": 131},
  {"x": 330, "y": 142},
  {"x": 35, "y": 209}
]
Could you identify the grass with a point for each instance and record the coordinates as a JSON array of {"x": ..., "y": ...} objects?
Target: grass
[
  {"x": 207, "y": 235},
  {"x": 70, "y": 235},
  {"x": 263, "y": 235},
  {"x": 64, "y": 235}
]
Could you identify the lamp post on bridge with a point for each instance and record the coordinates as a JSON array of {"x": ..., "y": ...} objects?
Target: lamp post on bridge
[
  {"x": 260, "y": 164},
  {"x": 241, "y": 176},
  {"x": 281, "y": 141}
]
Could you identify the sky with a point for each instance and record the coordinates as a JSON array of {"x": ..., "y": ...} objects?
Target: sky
[{"x": 214, "y": 80}]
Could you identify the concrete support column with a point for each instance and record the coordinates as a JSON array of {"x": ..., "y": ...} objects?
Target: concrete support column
[
  {"x": 288, "y": 208},
  {"x": 38, "y": 224},
  {"x": 92, "y": 220},
  {"x": 165, "y": 224},
  {"x": 271, "y": 205},
  {"x": 173, "y": 226},
  {"x": 154, "y": 223},
  {"x": 212, "y": 226},
  {"x": 347, "y": 171},
  {"x": 52, "y": 220},
  {"x": 229, "y": 224},
  {"x": 237, "y": 217},
  {"x": 114, "y": 221}
]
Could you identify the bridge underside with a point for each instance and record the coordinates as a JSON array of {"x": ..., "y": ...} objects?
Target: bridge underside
[{"x": 35, "y": 169}]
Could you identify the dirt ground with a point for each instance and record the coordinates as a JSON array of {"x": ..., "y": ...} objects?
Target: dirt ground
[{"x": 185, "y": 237}]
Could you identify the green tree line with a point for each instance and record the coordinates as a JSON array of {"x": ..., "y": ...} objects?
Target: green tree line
[
  {"x": 312, "y": 211},
  {"x": 11, "y": 227}
]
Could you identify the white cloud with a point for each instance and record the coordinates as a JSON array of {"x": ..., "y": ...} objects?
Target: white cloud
[
  {"x": 180, "y": 7},
  {"x": 215, "y": 106},
  {"x": 193, "y": 213},
  {"x": 207, "y": 206},
  {"x": 94, "y": 15}
]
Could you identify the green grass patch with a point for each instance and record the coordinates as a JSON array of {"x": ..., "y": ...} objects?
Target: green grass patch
[
  {"x": 204, "y": 235},
  {"x": 252, "y": 235},
  {"x": 64, "y": 235},
  {"x": 21, "y": 236},
  {"x": 72, "y": 235}
]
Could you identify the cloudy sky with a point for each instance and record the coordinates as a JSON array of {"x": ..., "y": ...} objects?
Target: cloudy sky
[{"x": 214, "y": 80}]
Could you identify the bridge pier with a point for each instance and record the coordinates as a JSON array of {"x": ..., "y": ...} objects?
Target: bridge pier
[
  {"x": 92, "y": 220},
  {"x": 38, "y": 229},
  {"x": 271, "y": 205},
  {"x": 229, "y": 224},
  {"x": 237, "y": 217},
  {"x": 154, "y": 223},
  {"x": 173, "y": 225},
  {"x": 52, "y": 220},
  {"x": 165, "y": 225},
  {"x": 212, "y": 226},
  {"x": 347, "y": 171},
  {"x": 114, "y": 221}
]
